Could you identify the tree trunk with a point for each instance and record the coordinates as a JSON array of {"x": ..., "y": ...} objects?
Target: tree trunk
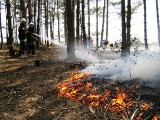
[
  {"x": 22, "y": 9},
  {"x": 128, "y": 27},
  {"x": 53, "y": 16},
  {"x": 9, "y": 19},
  {"x": 89, "y": 25},
  {"x": 38, "y": 23},
  {"x": 70, "y": 29},
  {"x": 158, "y": 25},
  {"x": 16, "y": 25},
  {"x": 46, "y": 21},
  {"x": 51, "y": 27},
  {"x": 77, "y": 22},
  {"x": 52, "y": 19},
  {"x": 145, "y": 25},
  {"x": 123, "y": 28},
  {"x": 107, "y": 20},
  {"x": 35, "y": 13},
  {"x": 101, "y": 43},
  {"x": 97, "y": 25},
  {"x": 59, "y": 38},
  {"x": 83, "y": 25},
  {"x": 1, "y": 25},
  {"x": 46, "y": 17},
  {"x": 30, "y": 10},
  {"x": 65, "y": 23}
]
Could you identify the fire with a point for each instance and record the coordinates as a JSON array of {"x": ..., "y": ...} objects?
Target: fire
[
  {"x": 139, "y": 116},
  {"x": 156, "y": 117},
  {"x": 145, "y": 106},
  {"x": 77, "y": 89}
]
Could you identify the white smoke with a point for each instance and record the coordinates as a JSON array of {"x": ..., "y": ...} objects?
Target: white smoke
[{"x": 144, "y": 66}]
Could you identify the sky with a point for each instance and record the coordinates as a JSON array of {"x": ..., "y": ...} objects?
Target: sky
[
  {"x": 137, "y": 23},
  {"x": 137, "y": 28}
]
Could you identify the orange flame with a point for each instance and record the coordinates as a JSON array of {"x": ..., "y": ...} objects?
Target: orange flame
[
  {"x": 145, "y": 106},
  {"x": 156, "y": 117},
  {"x": 76, "y": 89}
]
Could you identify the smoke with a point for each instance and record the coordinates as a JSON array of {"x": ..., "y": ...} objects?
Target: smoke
[
  {"x": 86, "y": 55},
  {"x": 144, "y": 66}
]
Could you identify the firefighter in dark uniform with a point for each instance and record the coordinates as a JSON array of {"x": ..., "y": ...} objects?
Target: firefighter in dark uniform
[
  {"x": 31, "y": 39},
  {"x": 22, "y": 36}
]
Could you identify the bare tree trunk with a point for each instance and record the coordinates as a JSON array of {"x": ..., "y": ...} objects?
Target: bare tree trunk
[
  {"x": 30, "y": 10},
  {"x": 97, "y": 25},
  {"x": 16, "y": 25},
  {"x": 38, "y": 23},
  {"x": 35, "y": 13},
  {"x": 123, "y": 28},
  {"x": 46, "y": 21},
  {"x": 70, "y": 23},
  {"x": 107, "y": 20},
  {"x": 53, "y": 16},
  {"x": 65, "y": 23},
  {"x": 89, "y": 25},
  {"x": 59, "y": 38},
  {"x": 158, "y": 25},
  {"x": 1, "y": 25},
  {"x": 9, "y": 19},
  {"x": 128, "y": 27},
  {"x": 145, "y": 25},
  {"x": 22, "y": 9},
  {"x": 103, "y": 23},
  {"x": 83, "y": 25},
  {"x": 77, "y": 22}
]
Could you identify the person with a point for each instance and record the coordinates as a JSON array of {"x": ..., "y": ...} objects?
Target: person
[
  {"x": 31, "y": 39},
  {"x": 22, "y": 36}
]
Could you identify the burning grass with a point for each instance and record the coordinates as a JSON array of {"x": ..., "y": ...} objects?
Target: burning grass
[{"x": 122, "y": 97}]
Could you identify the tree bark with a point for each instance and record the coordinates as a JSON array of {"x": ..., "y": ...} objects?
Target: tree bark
[
  {"x": 96, "y": 25},
  {"x": 83, "y": 25},
  {"x": 1, "y": 25},
  {"x": 101, "y": 43},
  {"x": 70, "y": 29},
  {"x": 35, "y": 13},
  {"x": 145, "y": 25},
  {"x": 89, "y": 25},
  {"x": 77, "y": 22},
  {"x": 123, "y": 28},
  {"x": 30, "y": 10},
  {"x": 158, "y": 25},
  {"x": 128, "y": 27},
  {"x": 9, "y": 19},
  {"x": 107, "y": 20},
  {"x": 22, "y": 9},
  {"x": 59, "y": 35},
  {"x": 65, "y": 23},
  {"x": 38, "y": 23}
]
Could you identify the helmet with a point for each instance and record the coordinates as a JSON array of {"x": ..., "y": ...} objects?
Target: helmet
[
  {"x": 23, "y": 20},
  {"x": 31, "y": 23}
]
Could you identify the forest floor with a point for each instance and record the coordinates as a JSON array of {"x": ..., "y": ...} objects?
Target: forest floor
[{"x": 28, "y": 92}]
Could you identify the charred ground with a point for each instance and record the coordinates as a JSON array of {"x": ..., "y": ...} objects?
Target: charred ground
[{"x": 28, "y": 92}]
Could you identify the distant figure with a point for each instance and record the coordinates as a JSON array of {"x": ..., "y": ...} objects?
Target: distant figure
[
  {"x": 22, "y": 36},
  {"x": 31, "y": 39}
]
